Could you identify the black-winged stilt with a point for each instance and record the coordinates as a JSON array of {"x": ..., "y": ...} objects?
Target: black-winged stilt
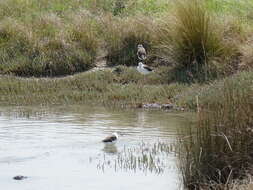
[
  {"x": 144, "y": 69},
  {"x": 111, "y": 139}
]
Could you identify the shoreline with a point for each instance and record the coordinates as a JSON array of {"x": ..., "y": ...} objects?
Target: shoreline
[{"x": 107, "y": 88}]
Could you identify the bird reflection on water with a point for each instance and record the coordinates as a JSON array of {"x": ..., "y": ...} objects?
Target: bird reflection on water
[{"x": 110, "y": 149}]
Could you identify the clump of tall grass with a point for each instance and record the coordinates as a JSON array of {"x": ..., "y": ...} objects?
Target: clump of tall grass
[
  {"x": 16, "y": 43},
  {"x": 47, "y": 46},
  {"x": 122, "y": 37},
  {"x": 192, "y": 39},
  {"x": 219, "y": 149}
]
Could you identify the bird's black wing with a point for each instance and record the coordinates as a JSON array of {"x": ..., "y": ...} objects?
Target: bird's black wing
[
  {"x": 109, "y": 139},
  {"x": 148, "y": 68}
]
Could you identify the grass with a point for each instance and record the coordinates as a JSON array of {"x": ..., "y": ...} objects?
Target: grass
[
  {"x": 62, "y": 37},
  {"x": 102, "y": 87},
  {"x": 219, "y": 149},
  {"x": 195, "y": 41},
  {"x": 201, "y": 51},
  {"x": 47, "y": 47},
  {"x": 122, "y": 37},
  {"x": 212, "y": 91},
  {"x": 145, "y": 157}
]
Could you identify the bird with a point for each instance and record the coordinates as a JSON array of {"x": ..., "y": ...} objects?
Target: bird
[
  {"x": 19, "y": 177},
  {"x": 141, "y": 52},
  {"x": 144, "y": 69},
  {"x": 111, "y": 139}
]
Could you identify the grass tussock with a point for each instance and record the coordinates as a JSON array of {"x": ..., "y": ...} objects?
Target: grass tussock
[
  {"x": 47, "y": 46},
  {"x": 195, "y": 41},
  {"x": 219, "y": 149}
]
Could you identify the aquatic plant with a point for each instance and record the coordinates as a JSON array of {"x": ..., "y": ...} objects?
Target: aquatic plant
[{"x": 146, "y": 157}]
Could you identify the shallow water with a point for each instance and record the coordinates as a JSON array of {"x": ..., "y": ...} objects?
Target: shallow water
[{"x": 61, "y": 148}]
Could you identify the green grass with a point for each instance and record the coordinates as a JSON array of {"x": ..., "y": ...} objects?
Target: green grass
[
  {"x": 59, "y": 37},
  {"x": 219, "y": 149},
  {"x": 47, "y": 46},
  {"x": 212, "y": 91},
  {"x": 101, "y": 87},
  {"x": 196, "y": 42},
  {"x": 201, "y": 51}
]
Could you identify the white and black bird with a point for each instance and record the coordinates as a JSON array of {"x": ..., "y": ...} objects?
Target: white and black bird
[
  {"x": 111, "y": 139},
  {"x": 144, "y": 69},
  {"x": 141, "y": 52}
]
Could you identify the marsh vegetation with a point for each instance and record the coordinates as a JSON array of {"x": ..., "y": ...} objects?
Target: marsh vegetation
[
  {"x": 145, "y": 157},
  {"x": 201, "y": 52}
]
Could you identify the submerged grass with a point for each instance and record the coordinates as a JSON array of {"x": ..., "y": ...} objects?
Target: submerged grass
[{"x": 146, "y": 157}]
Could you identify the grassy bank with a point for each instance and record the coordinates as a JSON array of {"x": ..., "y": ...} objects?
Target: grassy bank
[
  {"x": 59, "y": 37},
  {"x": 201, "y": 51},
  {"x": 113, "y": 89},
  {"x": 99, "y": 87}
]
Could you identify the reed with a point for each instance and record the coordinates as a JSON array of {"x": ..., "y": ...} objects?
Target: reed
[
  {"x": 145, "y": 157},
  {"x": 219, "y": 148}
]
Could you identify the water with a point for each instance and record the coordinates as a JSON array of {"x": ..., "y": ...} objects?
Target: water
[{"x": 60, "y": 148}]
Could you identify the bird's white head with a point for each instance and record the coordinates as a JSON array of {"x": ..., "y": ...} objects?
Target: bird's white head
[
  {"x": 116, "y": 134},
  {"x": 140, "y": 64},
  {"x": 140, "y": 46}
]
